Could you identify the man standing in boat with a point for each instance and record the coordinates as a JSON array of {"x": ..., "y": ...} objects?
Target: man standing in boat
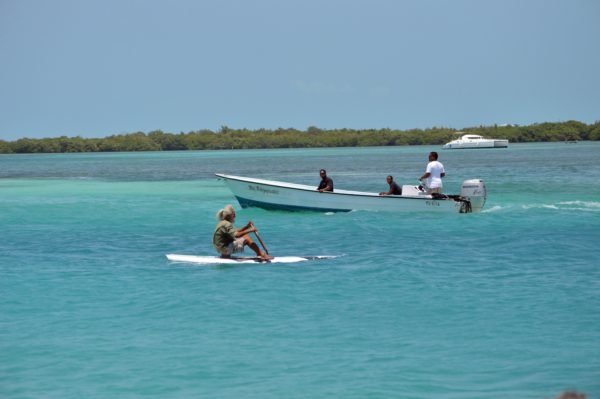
[
  {"x": 228, "y": 240},
  {"x": 394, "y": 188},
  {"x": 433, "y": 173},
  {"x": 326, "y": 182}
]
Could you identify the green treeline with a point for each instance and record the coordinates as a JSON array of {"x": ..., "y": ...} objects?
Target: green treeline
[{"x": 227, "y": 138}]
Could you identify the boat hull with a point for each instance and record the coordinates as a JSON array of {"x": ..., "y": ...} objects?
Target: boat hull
[
  {"x": 475, "y": 141},
  {"x": 486, "y": 143},
  {"x": 270, "y": 194}
]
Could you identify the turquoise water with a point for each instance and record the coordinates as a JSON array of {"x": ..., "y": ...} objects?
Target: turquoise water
[{"x": 501, "y": 304}]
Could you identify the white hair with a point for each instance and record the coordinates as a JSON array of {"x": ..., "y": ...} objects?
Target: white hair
[{"x": 225, "y": 213}]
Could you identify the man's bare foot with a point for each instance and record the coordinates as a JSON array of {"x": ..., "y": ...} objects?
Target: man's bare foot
[{"x": 266, "y": 257}]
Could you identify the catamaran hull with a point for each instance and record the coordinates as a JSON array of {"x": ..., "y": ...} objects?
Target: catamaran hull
[
  {"x": 270, "y": 194},
  {"x": 480, "y": 144}
]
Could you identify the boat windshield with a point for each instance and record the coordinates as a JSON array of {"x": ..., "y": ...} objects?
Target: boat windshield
[{"x": 471, "y": 137}]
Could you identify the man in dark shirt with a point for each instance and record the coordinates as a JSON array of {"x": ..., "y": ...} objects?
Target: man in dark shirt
[
  {"x": 326, "y": 183},
  {"x": 394, "y": 188}
]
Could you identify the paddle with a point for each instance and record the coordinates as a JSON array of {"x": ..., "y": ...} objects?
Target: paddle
[{"x": 260, "y": 240}]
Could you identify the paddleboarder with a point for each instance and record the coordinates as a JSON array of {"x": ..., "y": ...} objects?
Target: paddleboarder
[{"x": 228, "y": 240}]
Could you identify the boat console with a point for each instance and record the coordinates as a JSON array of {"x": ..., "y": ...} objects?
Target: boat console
[{"x": 412, "y": 191}]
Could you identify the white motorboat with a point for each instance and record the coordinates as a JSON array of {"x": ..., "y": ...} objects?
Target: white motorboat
[
  {"x": 271, "y": 194},
  {"x": 475, "y": 141}
]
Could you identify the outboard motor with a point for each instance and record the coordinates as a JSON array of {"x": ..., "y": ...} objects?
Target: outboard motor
[{"x": 473, "y": 191}]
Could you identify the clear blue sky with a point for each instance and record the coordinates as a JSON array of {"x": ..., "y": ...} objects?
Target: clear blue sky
[{"x": 97, "y": 68}]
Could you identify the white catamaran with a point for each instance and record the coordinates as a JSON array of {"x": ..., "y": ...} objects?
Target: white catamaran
[
  {"x": 475, "y": 141},
  {"x": 271, "y": 194}
]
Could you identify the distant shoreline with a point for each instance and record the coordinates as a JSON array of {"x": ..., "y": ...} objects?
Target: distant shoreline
[{"x": 313, "y": 137}]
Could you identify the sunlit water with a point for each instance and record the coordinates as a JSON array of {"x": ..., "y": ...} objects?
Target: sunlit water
[{"x": 501, "y": 304}]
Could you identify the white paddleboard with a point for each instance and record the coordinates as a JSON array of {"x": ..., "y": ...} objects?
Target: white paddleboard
[{"x": 216, "y": 260}]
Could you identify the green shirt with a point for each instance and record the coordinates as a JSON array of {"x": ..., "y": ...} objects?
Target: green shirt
[{"x": 224, "y": 234}]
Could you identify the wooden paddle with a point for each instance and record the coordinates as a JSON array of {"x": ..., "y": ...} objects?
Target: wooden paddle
[{"x": 260, "y": 240}]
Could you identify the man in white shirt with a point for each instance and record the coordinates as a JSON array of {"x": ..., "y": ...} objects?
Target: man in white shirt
[{"x": 434, "y": 173}]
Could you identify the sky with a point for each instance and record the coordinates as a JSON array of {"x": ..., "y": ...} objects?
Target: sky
[{"x": 97, "y": 68}]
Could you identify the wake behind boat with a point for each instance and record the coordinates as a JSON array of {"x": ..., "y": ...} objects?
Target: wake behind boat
[
  {"x": 270, "y": 194},
  {"x": 217, "y": 260}
]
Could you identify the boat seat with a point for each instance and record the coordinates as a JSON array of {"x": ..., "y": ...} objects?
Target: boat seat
[{"x": 412, "y": 190}]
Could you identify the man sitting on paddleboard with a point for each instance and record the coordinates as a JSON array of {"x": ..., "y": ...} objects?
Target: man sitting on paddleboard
[{"x": 228, "y": 240}]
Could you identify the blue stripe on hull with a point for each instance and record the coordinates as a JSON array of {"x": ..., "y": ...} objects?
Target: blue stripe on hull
[{"x": 245, "y": 203}]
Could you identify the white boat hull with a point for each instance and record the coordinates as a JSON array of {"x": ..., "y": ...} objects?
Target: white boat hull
[
  {"x": 481, "y": 144},
  {"x": 270, "y": 194}
]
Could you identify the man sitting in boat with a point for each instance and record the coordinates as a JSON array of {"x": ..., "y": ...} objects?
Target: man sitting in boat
[
  {"x": 326, "y": 182},
  {"x": 394, "y": 188},
  {"x": 433, "y": 173},
  {"x": 228, "y": 240}
]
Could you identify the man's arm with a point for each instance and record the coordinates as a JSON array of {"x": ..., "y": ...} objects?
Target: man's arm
[
  {"x": 328, "y": 187},
  {"x": 390, "y": 191},
  {"x": 247, "y": 229}
]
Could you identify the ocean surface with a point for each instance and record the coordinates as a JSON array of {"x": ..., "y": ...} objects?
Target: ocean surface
[{"x": 500, "y": 304}]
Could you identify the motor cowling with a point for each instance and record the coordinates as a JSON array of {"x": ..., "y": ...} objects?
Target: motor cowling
[{"x": 474, "y": 191}]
